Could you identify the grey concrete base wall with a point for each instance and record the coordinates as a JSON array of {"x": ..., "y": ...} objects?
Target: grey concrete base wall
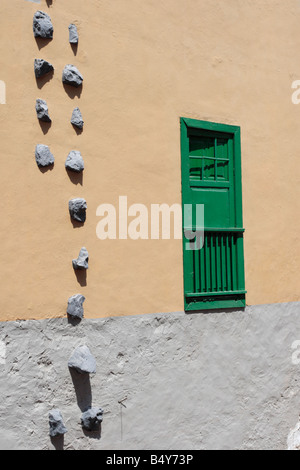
[{"x": 204, "y": 381}]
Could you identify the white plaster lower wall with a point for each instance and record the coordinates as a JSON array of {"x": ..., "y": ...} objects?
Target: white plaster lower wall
[{"x": 204, "y": 381}]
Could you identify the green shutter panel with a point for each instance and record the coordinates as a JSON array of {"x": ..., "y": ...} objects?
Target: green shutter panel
[{"x": 211, "y": 176}]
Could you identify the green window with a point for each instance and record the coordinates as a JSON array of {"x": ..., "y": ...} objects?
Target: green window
[{"x": 211, "y": 179}]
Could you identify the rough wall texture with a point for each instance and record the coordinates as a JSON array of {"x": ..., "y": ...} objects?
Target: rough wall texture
[{"x": 215, "y": 381}]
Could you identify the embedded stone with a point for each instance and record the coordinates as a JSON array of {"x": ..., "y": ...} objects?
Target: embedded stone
[
  {"x": 43, "y": 156},
  {"x": 42, "y": 25},
  {"x": 76, "y": 119},
  {"x": 73, "y": 34},
  {"x": 77, "y": 208},
  {"x": 42, "y": 111},
  {"x": 82, "y": 361},
  {"x": 75, "y": 306},
  {"x": 57, "y": 427},
  {"x": 91, "y": 419},
  {"x": 82, "y": 262},
  {"x": 75, "y": 161},
  {"x": 42, "y": 67},
  {"x": 72, "y": 76}
]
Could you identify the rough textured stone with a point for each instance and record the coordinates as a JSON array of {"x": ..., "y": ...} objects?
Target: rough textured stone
[
  {"x": 91, "y": 419},
  {"x": 72, "y": 76},
  {"x": 82, "y": 262},
  {"x": 76, "y": 119},
  {"x": 42, "y": 25},
  {"x": 42, "y": 67},
  {"x": 57, "y": 427},
  {"x": 75, "y": 306},
  {"x": 73, "y": 34},
  {"x": 42, "y": 111},
  {"x": 75, "y": 161},
  {"x": 223, "y": 380},
  {"x": 43, "y": 156},
  {"x": 77, "y": 208},
  {"x": 82, "y": 361}
]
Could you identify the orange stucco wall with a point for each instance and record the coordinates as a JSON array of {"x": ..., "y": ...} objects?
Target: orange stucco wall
[{"x": 145, "y": 63}]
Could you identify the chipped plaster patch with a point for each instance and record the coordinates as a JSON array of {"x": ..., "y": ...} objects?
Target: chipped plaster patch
[
  {"x": 2, "y": 353},
  {"x": 293, "y": 441}
]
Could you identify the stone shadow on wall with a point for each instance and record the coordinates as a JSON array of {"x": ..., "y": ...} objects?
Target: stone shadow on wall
[
  {"x": 76, "y": 178},
  {"x": 46, "y": 168},
  {"x": 74, "y": 321},
  {"x": 81, "y": 275},
  {"x": 83, "y": 389},
  {"x": 42, "y": 42},
  {"x": 72, "y": 91},
  {"x": 76, "y": 223},
  {"x": 41, "y": 81},
  {"x": 93, "y": 434},
  {"x": 45, "y": 126},
  {"x": 58, "y": 442},
  {"x": 74, "y": 48},
  {"x": 77, "y": 130}
]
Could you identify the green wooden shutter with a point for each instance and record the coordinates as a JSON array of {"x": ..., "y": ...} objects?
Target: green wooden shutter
[{"x": 211, "y": 176}]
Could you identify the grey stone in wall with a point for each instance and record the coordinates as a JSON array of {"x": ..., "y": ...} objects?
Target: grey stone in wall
[
  {"x": 91, "y": 419},
  {"x": 57, "y": 427},
  {"x": 75, "y": 162},
  {"x": 43, "y": 156},
  {"x": 73, "y": 34},
  {"x": 83, "y": 361},
  {"x": 77, "y": 119},
  {"x": 75, "y": 306},
  {"x": 72, "y": 76},
  {"x": 77, "y": 209},
  {"x": 82, "y": 262},
  {"x": 42, "y": 111},
  {"x": 42, "y": 67},
  {"x": 42, "y": 25}
]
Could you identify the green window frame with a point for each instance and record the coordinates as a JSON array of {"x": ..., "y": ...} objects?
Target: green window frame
[{"x": 214, "y": 275}]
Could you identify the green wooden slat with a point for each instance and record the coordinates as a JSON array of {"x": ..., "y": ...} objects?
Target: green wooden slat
[
  {"x": 213, "y": 263},
  {"x": 207, "y": 265},
  {"x": 202, "y": 268},
  {"x": 196, "y": 270},
  {"x": 209, "y": 128},
  {"x": 219, "y": 230},
  {"x": 228, "y": 263},
  {"x": 218, "y": 262},
  {"x": 216, "y": 169},
  {"x": 202, "y": 304},
  {"x": 189, "y": 270},
  {"x": 197, "y": 294},
  {"x": 240, "y": 263},
  {"x": 196, "y": 183},
  {"x": 208, "y": 229},
  {"x": 234, "y": 262},
  {"x": 205, "y": 157},
  {"x": 223, "y": 262}
]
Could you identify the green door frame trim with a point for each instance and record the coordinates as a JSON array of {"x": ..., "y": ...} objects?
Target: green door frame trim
[{"x": 234, "y": 295}]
